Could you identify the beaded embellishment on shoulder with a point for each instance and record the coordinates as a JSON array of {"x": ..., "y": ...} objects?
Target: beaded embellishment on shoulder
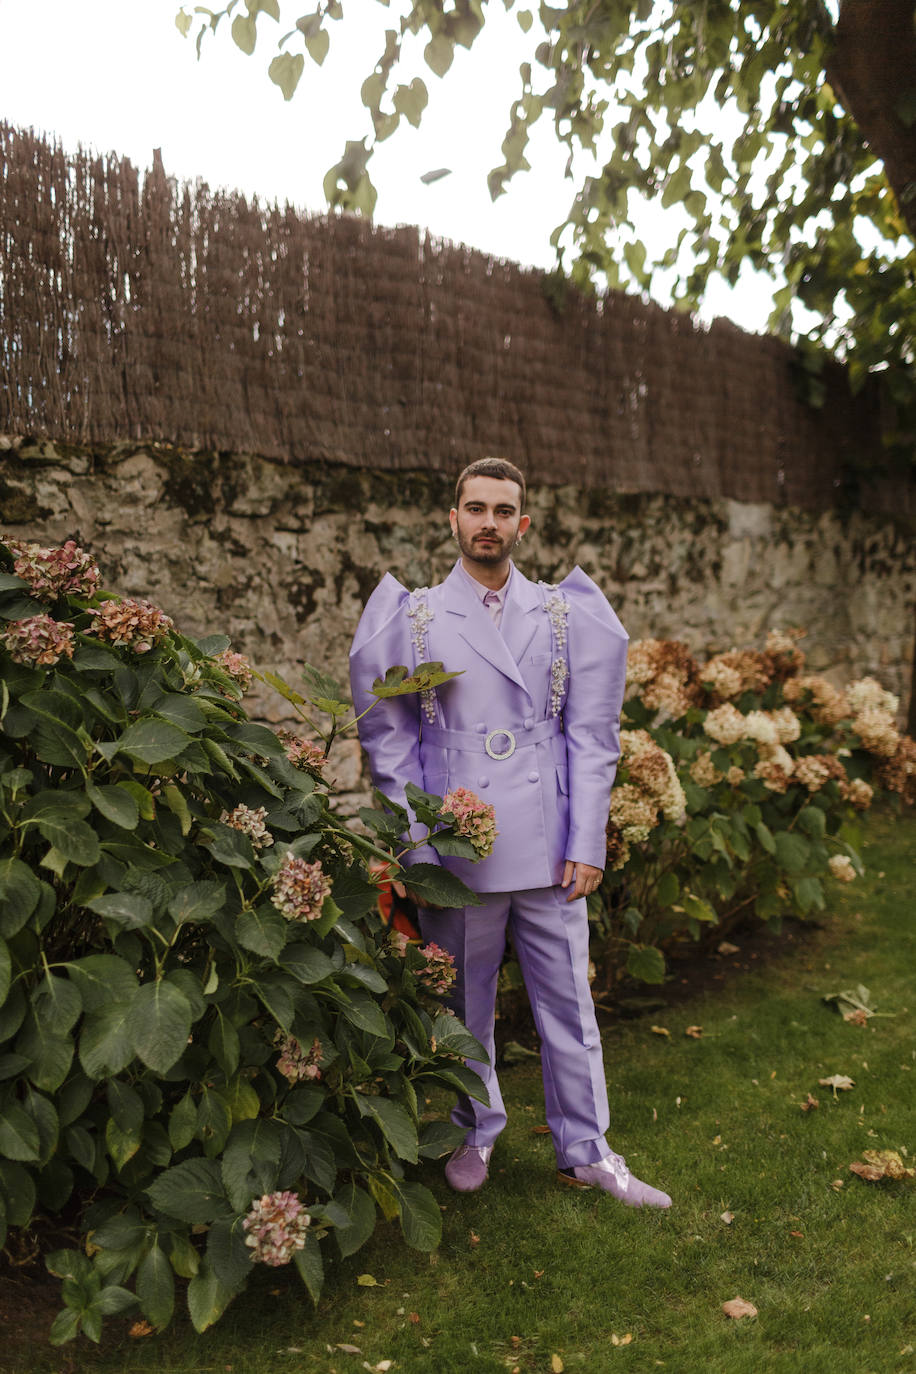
[{"x": 420, "y": 616}]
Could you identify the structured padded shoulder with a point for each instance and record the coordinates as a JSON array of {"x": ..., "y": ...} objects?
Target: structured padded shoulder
[
  {"x": 585, "y": 595},
  {"x": 386, "y": 602}
]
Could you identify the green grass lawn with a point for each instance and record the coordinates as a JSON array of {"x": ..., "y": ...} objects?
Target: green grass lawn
[{"x": 536, "y": 1277}]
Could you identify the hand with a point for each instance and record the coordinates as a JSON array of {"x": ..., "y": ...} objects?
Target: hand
[
  {"x": 584, "y": 878},
  {"x": 403, "y": 891}
]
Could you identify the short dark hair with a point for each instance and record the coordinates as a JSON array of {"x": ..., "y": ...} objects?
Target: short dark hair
[{"x": 491, "y": 467}]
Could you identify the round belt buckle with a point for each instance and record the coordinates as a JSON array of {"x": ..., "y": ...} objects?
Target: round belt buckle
[{"x": 488, "y": 744}]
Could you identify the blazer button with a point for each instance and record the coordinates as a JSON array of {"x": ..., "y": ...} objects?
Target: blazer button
[
  {"x": 533, "y": 777},
  {"x": 483, "y": 780},
  {"x": 529, "y": 722},
  {"x": 480, "y": 728}
]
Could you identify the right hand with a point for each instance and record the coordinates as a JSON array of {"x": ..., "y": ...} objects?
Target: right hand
[{"x": 403, "y": 891}]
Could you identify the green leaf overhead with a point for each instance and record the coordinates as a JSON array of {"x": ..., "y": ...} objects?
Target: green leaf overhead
[{"x": 775, "y": 137}]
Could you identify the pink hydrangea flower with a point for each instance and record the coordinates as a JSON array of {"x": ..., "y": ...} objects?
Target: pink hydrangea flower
[
  {"x": 439, "y": 973},
  {"x": 250, "y": 821},
  {"x": 294, "y": 1062},
  {"x": 130, "y": 623},
  {"x": 38, "y": 641},
  {"x": 302, "y": 753},
  {"x": 300, "y": 889},
  {"x": 236, "y": 666},
  {"x": 54, "y": 572},
  {"x": 474, "y": 819},
  {"x": 276, "y": 1224}
]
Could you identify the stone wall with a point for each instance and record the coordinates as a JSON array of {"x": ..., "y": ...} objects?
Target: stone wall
[{"x": 282, "y": 559}]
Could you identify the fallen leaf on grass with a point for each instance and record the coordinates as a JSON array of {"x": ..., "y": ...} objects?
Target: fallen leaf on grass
[
  {"x": 724, "y": 947},
  {"x": 540, "y": 1130},
  {"x": 381, "y": 1368},
  {"x": 799, "y": 1235},
  {"x": 856, "y": 1018},
  {"x": 367, "y": 1281},
  {"x": 727, "y": 1217},
  {"x": 695, "y": 1032},
  {"x": 473, "y": 1239},
  {"x": 556, "y": 1364},
  {"x": 659, "y": 1030},
  {"x": 810, "y": 1104},
  {"x": 837, "y": 1184},
  {"x": 738, "y": 1308},
  {"x": 837, "y": 1081},
  {"x": 881, "y": 1164},
  {"x": 140, "y": 1328},
  {"x": 348, "y": 1349},
  {"x": 621, "y": 1340},
  {"x": 415, "y": 1318}
]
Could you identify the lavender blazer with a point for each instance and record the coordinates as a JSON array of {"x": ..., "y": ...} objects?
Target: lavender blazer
[{"x": 545, "y": 760}]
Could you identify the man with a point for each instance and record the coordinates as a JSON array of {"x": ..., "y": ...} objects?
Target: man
[{"x": 532, "y": 726}]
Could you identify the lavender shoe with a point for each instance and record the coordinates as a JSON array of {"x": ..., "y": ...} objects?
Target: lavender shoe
[
  {"x": 466, "y": 1170},
  {"x": 612, "y": 1176}
]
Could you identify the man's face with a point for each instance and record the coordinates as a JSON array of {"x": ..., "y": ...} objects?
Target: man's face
[{"x": 488, "y": 520}]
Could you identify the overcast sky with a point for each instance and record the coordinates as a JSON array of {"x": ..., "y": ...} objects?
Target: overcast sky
[{"x": 117, "y": 75}]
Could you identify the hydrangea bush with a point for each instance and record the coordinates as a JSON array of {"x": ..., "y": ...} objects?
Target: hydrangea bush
[
  {"x": 738, "y": 787},
  {"x": 212, "y": 1051}
]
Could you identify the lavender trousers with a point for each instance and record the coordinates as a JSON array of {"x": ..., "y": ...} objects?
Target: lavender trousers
[{"x": 550, "y": 936}]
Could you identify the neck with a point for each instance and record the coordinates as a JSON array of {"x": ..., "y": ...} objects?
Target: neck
[{"x": 493, "y": 576}]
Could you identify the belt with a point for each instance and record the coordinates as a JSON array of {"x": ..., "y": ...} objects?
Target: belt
[{"x": 500, "y": 743}]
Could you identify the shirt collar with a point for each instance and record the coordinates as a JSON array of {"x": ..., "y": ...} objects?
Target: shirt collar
[{"x": 480, "y": 590}]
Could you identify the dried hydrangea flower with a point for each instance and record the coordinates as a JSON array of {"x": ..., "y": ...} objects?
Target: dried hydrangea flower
[
  {"x": 294, "y": 1062},
  {"x": 302, "y": 753},
  {"x": 130, "y": 623},
  {"x": 877, "y": 731},
  {"x": 650, "y": 768},
  {"x": 867, "y": 691},
  {"x": 236, "y": 666},
  {"x": 860, "y": 794},
  {"x": 826, "y": 703},
  {"x": 38, "y": 641},
  {"x": 276, "y": 1224},
  {"x": 898, "y": 773},
  {"x": 54, "y": 572},
  {"x": 439, "y": 972},
  {"x": 474, "y": 819},
  {"x": 618, "y": 848},
  {"x": 397, "y": 943},
  {"x": 725, "y": 724},
  {"x": 300, "y": 889},
  {"x": 759, "y": 727},
  {"x": 250, "y": 821},
  {"x": 786, "y": 724},
  {"x": 840, "y": 866},
  {"x": 813, "y": 770},
  {"x": 703, "y": 771},
  {"x": 663, "y": 674},
  {"x": 635, "y": 814}
]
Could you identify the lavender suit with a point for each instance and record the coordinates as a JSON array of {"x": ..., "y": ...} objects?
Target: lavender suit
[{"x": 531, "y": 726}]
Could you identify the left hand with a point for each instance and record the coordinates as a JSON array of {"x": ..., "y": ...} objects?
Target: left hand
[{"x": 583, "y": 877}]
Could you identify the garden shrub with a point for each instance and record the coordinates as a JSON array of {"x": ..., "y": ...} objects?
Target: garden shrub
[
  {"x": 212, "y": 1051},
  {"x": 737, "y": 794}
]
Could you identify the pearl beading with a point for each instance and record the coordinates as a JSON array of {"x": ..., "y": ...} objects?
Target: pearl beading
[
  {"x": 420, "y": 616},
  {"x": 557, "y": 608}
]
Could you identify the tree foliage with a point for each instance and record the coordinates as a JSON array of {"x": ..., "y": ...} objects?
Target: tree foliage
[{"x": 814, "y": 181}]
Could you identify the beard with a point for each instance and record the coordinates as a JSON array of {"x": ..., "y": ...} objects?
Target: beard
[{"x": 495, "y": 551}]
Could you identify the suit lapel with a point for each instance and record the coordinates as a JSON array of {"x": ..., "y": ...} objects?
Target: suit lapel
[
  {"x": 520, "y": 615},
  {"x": 475, "y": 627}
]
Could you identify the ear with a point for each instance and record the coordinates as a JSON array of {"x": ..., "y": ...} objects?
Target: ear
[
  {"x": 524, "y": 524},
  {"x": 453, "y": 520}
]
